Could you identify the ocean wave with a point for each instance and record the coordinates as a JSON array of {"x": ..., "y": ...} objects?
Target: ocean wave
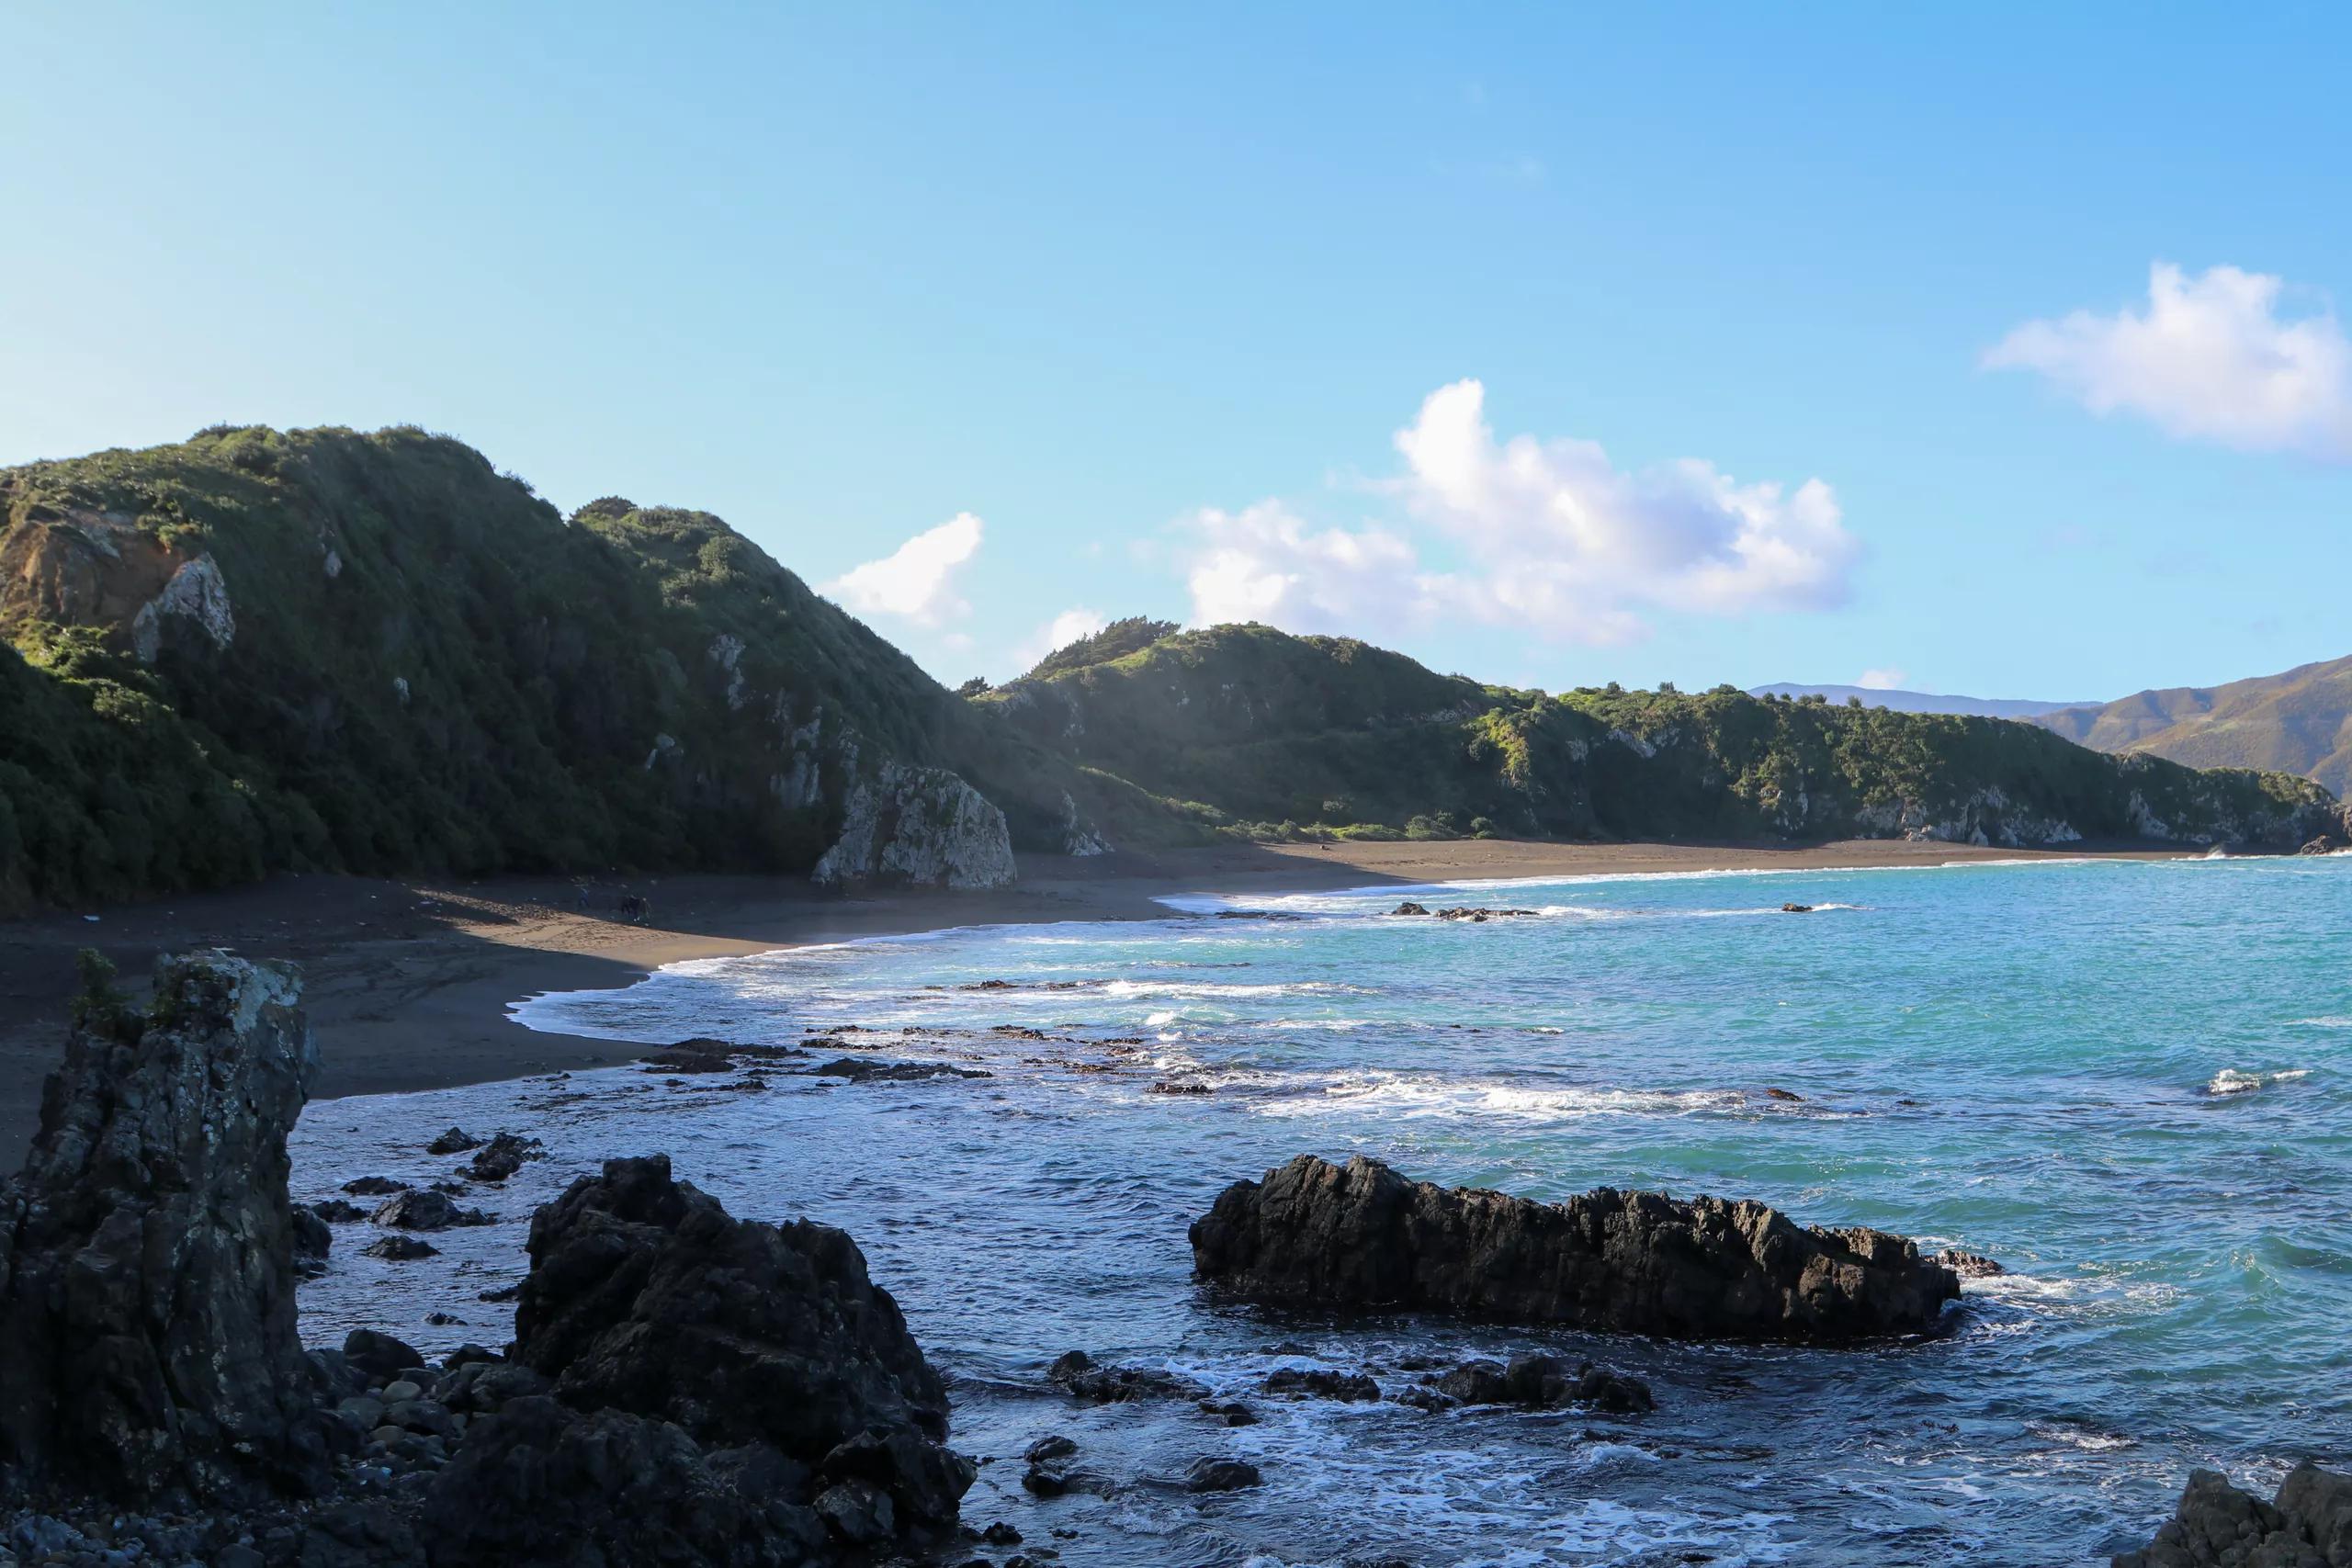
[
  {"x": 1419, "y": 1099},
  {"x": 2230, "y": 1081}
]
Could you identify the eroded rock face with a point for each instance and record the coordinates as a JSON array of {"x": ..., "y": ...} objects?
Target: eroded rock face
[
  {"x": 147, "y": 1250},
  {"x": 1360, "y": 1236},
  {"x": 645, "y": 1296},
  {"x": 919, "y": 827},
  {"x": 2216, "y": 1526}
]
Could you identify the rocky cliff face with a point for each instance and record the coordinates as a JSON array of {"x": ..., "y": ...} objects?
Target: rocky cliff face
[
  {"x": 2308, "y": 1525},
  {"x": 147, "y": 1250},
  {"x": 920, "y": 827},
  {"x": 1361, "y": 1238}
]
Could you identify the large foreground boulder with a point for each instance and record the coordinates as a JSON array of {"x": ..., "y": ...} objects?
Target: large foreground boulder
[
  {"x": 1361, "y": 1238},
  {"x": 2216, "y": 1526},
  {"x": 646, "y": 1297},
  {"x": 148, "y": 1249}
]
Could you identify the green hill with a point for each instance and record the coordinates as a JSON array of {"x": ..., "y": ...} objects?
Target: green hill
[
  {"x": 2299, "y": 722},
  {"x": 319, "y": 650},
  {"x": 258, "y": 651},
  {"x": 1287, "y": 735}
]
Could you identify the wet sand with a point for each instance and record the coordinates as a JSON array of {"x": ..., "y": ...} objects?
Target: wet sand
[{"x": 407, "y": 982}]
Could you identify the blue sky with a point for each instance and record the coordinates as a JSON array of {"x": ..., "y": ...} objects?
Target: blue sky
[{"x": 1722, "y": 344}]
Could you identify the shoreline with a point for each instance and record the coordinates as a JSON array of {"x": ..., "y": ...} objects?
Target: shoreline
[{"x": 407, "y": 982}]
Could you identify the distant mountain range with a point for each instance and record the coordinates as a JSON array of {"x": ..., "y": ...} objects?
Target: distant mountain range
[
  {"x": 1920, "y": 702},
  {"x": 2297, "y": 722}
]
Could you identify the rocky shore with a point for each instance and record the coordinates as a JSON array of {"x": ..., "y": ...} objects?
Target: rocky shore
[
  {"x": 1360, "y": 1238},
  {"x": 684, "y": 1387}
]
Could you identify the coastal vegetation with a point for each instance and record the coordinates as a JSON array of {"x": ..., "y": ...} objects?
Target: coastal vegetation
[{"x": 258, "y": 650}]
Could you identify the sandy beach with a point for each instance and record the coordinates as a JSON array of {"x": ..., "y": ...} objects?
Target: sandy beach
[{"x": 407, "y": 982}]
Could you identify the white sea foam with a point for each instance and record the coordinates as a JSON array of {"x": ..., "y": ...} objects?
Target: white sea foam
[
  {"x": 1414, "y": 1099},
  {"x": 2229, "y": 1080}
]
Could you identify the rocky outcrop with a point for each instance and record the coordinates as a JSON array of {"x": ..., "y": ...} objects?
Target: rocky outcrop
[
  {"x": 2309, "y": 1524},
  {"x": 646, "y": 1298},
  {"x": 147, "y": 1250},
  {"x": 919, "y": 827},
  {"x": 1361, "y": 1238}
]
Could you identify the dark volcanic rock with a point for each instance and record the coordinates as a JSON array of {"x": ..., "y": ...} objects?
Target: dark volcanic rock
[
  {"x": 1221, "y": 1475},
  {"x": 147, "y": 1248},
  {"x": 1089, "y": 1380},
  {"x": 379, "y": 1357},
  {"x": 374, "y": 1187},
  {"x": 1545, "y": 1382},
  {"x": 335, "y": 1212},
  {"x": 399, "y": 1249},
  {"x": 645, "y": 1296},
  {"x": 2216, "y": 1526},
  {"x": 313, "y": 1239},
  {"x": 1363, "y": 1237},
  {"x": 502, "y": 1157},
  {"x": 860, "y": 1069},
  {"x": 1969, "y": 1264},
  {"x": 1322, "y": 1383},
  {"x": 426, "y": 1211},
  {"x": 542, "y": 1483},
  {"x": 456, "y": 1141}
]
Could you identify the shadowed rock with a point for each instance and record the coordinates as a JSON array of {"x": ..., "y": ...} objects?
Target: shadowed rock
[
  {"x": 2216, "y": 1526},
  {"x": 1360, "y": 1236},
  {"x": 147, "y": 1250},
  {"x": 645, "y": 1296}
]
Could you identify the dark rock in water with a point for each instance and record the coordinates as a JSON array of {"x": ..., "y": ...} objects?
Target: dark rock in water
[
  {"x": 1171, "y": 1085},
  {"x": 2325, "y": 844},
  {"x": 1360, "y": 1236},
  {"x": 374, "y": 1187},
  {"x": 502, "y": 1293},
  {"x": 1969, "y": 1264},
  {"x": 444, "y": 1320},
  {"x": 693, "y": 1056},
  {"x": 399, "y": 1249},
  {"x": 1545, "y": 1382},
  {"x": 1479, "y": 915},
  {"x": 1049, "y": 1448},
  {"x": 147, "y": 1248},
  {"x": 645, "y": 1296},
  {"x": 1221, "y": 1475},
  {"x": 380, "y": 1356},
  {"x": 1788, "y": 1094},
  {"x": 1321, "y": 1383},
  {"x": 1410, "y": 907},
  {"x": 539, "y": 1482},
  {"x": 502, "y": 1157},
  {"x": 426, "y": 1211},
  {"x": 858, "y": 1069},
  {"x": 335, "y": 1212},
  {"x": 313, "y": 1239},
  {"x": 1045, "y": 1481},
  {"x": 1797, "y": 909},
  {"x": 1089, "y": 1380},
  {"x": 456, "y": 1141},
  {"x": 1233, "y": 1412},
  {"x": 1001, "y": 1534},
  {"x": 2216, "y": 1526}
]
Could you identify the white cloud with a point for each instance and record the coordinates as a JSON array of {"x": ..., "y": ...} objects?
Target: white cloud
[
  {"x": 1057, "y": 634},
  {"x": 1880, "y": 680},
  {"x": 917, "y": 581},
  {"x": 1263, "y": 563},
  {"x": 1549, "y": 535},
  {"x": 2210, "y": 358}
]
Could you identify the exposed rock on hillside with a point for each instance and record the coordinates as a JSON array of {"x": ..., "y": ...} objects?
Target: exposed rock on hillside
[
  {"x": 147, "y": 1250},
  {"x": 1360, "y": 1236},
  {"x": 646, "y": 1297},
  {"x": 2216, "y": 1526},
  {"x": 920, "y": 827}
]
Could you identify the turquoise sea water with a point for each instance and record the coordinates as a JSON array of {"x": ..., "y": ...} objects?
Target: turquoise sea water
[{"x": 2129, "y": 1082}]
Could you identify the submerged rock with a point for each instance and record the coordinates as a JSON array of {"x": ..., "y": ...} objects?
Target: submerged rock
[
  {"x": 2309, "y": 1524},
  {"x": 1090, "y": 1380},
  {"x": 1320, "y": 1382},
  {"x": 426, "y": 1211},
  {"x": 861, "y": 1069},
  {"x": 1221, "y": 1475},
  {"x": 147, "y": 1249},
  {"x": 1544, "y": 1383},
  {"x": 1360, "y": 1236},
  {"x": 646, "y": 1297}
]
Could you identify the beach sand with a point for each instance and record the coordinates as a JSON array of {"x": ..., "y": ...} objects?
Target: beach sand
[{"x": 407, "y": 982}]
